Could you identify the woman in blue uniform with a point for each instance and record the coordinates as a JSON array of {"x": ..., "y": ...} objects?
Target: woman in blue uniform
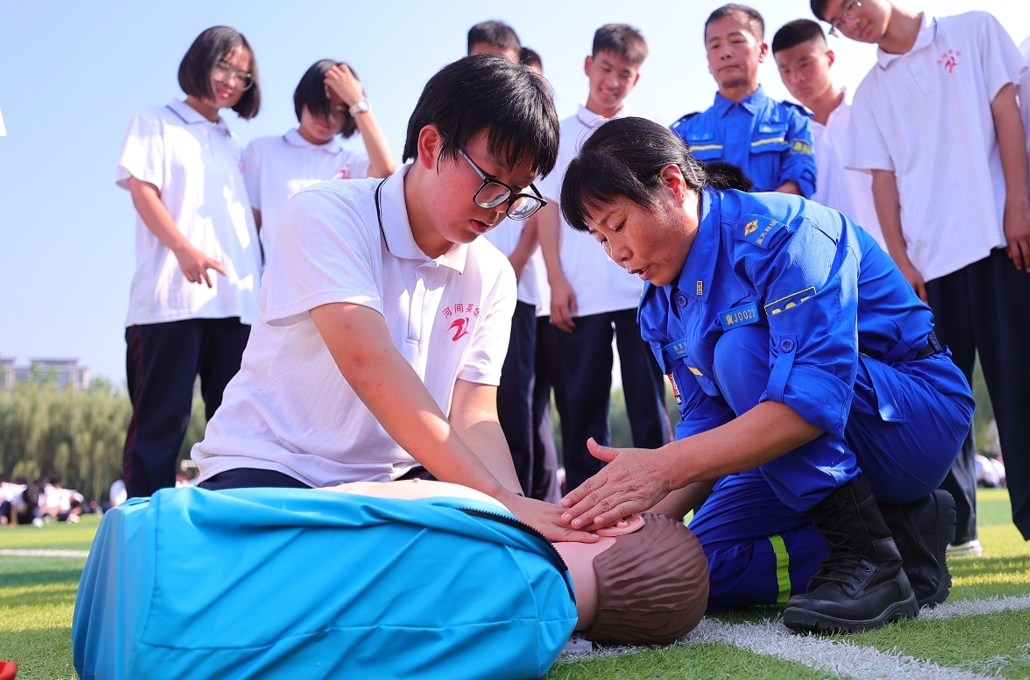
[{"x": 819, "y": 412}]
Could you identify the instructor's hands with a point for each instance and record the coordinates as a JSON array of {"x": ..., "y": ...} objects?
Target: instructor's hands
[
  {"x": 633, "y": 481},
  {"x": 546, "y": 518}
]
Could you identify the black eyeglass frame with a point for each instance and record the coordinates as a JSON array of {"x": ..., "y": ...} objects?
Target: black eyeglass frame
[{"x": 511, "y": 196}]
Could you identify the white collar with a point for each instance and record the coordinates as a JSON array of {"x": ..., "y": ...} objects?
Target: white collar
[
  {"x": 294, "y": 137},
  {"x": 927, "y": 33},
  {"x": 397, "y": 229},
  {"x": 190, "y": 115},
  {"x": 593, "y": 120},
  {"x": 844, "y": 103}
]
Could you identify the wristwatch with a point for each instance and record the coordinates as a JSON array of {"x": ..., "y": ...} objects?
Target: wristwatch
[{"x": 360, "y": 106}]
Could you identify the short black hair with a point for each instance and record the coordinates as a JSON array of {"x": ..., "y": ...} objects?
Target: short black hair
[
  {"x": 623, "y": 40},
  {"x": 797, "y": 32},
  {"x": 624, "y": 158},
  {"x": 529, "y": 57},
  {"x": 496, "y": 33},
  {"x": 755, "y": 22},
  {"x": 310, "y": 93},
  {"x": 727, "y": 175},
  {"x": 207, "y": 50},
  {"x": 818, "y": 8},
  {"x": 488, "y": 92}
]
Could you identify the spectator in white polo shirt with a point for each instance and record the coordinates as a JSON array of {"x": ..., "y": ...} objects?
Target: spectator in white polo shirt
[
  {"x": 937, "y": 123},
  {"x": 198, "y": 263},
  {"x": 590, "y": 294},
  {"x": 330, "y": 104},
  {"x": 804, "y": 60},
  {"x": 384, "y": 319}
]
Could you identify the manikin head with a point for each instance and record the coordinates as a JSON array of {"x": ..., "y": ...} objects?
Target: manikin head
[{"x": 644, "y": 582}]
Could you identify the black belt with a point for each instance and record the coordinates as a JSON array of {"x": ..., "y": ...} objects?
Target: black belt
[{"x": 933, "y": 346}]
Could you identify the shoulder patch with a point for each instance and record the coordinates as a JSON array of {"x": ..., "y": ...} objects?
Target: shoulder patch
[
  {"x": 792, "y": 300},
  {"x": 802, "y": 147},
  {"x": 759, "y": 230}
]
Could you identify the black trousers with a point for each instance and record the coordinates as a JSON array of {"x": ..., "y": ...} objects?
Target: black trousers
[
  {"x": 985, "y": 307},
  {"x": 586, "y": 375},
  {"x": 162, "y": 361}
]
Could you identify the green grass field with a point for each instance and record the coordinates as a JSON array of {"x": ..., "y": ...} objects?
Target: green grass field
[{"x": 37, "y": 596}]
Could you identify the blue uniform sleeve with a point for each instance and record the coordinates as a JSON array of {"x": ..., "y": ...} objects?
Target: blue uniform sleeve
[
  {"x": 798, "y": 163},
  {"x": 699, "y": 412},
  {"x": 806, "y": 273}
]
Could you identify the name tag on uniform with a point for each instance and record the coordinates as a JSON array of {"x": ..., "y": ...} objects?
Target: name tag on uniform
[
  {"x": 677, "y": 349},
  {"x": 739, "y": 316}
]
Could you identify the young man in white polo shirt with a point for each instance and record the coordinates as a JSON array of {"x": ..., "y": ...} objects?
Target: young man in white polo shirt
[
  {"x": 804, "y": 60},
  {"x": 383, "y": 320},
  {"x": 937, "y": 123},
  {"x": 590, "y": 294}
]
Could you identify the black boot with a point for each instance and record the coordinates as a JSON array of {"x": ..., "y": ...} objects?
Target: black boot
[
  {"x": 861, "y": 585},
  {"x": 923, "y": 529}
]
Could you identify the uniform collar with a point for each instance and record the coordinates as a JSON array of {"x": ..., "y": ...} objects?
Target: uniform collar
[
  {"x": 927, "y": 34},
  {"x": 397, "y": 229},
  {"x": 294, "y": 138},
  {"x": 845, "y": 102},
  {"x": 752, "y": 103},
  {"x": 190, "y": 115},
  {"x": 594, "y": 120},
  {"x": 699, "y": 269}
]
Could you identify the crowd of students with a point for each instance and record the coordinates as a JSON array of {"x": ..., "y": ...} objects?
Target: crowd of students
[
  {"x": 39, "y": 502},
  {"x": 371, "y": 322}
]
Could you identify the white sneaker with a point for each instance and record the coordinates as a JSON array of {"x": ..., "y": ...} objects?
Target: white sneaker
[
  {"x": 968, "y": 549},
  {"x": 38, "y": 522},
  {"x": 73, "y": 519}
]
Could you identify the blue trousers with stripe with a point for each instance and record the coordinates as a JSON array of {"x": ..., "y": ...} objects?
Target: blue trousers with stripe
[{"x": 761, "y": 547}]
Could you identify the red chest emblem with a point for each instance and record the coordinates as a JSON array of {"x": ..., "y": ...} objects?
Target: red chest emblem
[
  {"x": 949, "y": 60},
  {"x": 462, "y": 315}
]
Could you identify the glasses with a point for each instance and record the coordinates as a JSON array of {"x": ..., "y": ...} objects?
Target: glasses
[
  {"x": 224, "y": 73},
  {"x": 847, "y": 13},
  {"x": 492, "y": 193}
]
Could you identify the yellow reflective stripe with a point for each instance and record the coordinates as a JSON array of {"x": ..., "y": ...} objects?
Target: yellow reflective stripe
[
  {"x": 780, "y": 140},
  {"x": 782, "y": 568},
  {"x": 703, "y": 147}
]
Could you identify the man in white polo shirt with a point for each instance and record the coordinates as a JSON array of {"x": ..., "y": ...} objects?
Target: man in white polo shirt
[
  {"x": 937, "y": 123},
  {"x": 383, "y": 321},
  {"x": 804, "y": 61},
  {"x": 590, "y": 294}
]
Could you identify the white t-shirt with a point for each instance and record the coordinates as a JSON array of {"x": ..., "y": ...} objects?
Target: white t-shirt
[
  {"x": 289, "y": 409},
  {"x": 197, "y": 167},
  {"x": 600, "y": 284},
  {"x": 276, "y": 168},
  {"x": 926, "y": 115},
  {"x": 505, "y": 237},
  {"x": 3, "y": 128},
  {"x": 849, "y": 191}
]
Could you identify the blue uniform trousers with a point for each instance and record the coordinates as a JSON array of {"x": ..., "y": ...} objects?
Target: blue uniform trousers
[{"x": 905, "y": 427}]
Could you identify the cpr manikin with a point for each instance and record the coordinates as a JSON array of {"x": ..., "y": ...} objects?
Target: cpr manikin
[{"x": 644, "y": 582}]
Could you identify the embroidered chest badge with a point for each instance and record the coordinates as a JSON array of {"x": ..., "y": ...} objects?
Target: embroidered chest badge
[
  {"x": 461, "y": 316},
  {"x": 949, "y": 60}
]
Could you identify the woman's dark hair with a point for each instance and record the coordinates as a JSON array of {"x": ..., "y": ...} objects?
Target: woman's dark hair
[
  {"x": 727, "y": 175},
  {"x": 207, "y": 50},
  {"x": 310, "y": 92},
  {"x": 625, "y": 157},
  {"x": 488, "y": 92}
]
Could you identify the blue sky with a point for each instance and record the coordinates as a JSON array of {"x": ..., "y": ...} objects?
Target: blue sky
[{"x": 71, "y": 75}]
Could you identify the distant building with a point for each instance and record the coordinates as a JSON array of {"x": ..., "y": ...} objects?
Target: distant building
[{"x": 65, "y": 372}]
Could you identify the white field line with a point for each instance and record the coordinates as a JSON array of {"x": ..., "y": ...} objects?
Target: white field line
[
  {"x": 844, "y": 658},
  {"x": 43, "y": 553}
]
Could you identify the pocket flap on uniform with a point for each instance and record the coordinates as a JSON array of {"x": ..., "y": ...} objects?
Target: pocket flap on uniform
[{"x": 769, "y": 137}]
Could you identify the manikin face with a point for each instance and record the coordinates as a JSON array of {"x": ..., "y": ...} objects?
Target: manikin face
[
  {"x": 456, "y": 217},
  {"x": 805, "y": 70},
  {"x": 611, "y": 78},
  {"x": 227, "y": 93},
  {"x": 487, "y": 48},
  {"x": 650, "y": 243},
  {"x": 734, "y": 53},
  {"x": 862, "y": 20}
]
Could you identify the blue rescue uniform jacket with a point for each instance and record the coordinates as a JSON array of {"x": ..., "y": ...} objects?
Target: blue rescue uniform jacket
[
  {"x": 828, "y": 294},
  {"x": 770, "y": 141}
]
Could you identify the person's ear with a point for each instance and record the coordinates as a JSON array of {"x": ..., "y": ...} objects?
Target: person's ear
[
  {"x": 430, "y": 141},
  {"x": 830, "y": 57},
  {"x": 587, "y": 63},
  {"x": 673, "y": 181},
  {"x": 763, "y": 50},
  {"x": 636, "y": 79}
]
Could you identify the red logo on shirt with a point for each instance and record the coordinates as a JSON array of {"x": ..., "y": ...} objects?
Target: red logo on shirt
[
  {"x": 949, "y": 60},
  {"x": 461, "y": 324},
  {"x": 343, "y": 173}
]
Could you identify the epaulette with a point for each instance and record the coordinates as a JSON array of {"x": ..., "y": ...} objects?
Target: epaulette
[
  {"x": 685, "y": 118},
  {"x": 799, "y": 108}
]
